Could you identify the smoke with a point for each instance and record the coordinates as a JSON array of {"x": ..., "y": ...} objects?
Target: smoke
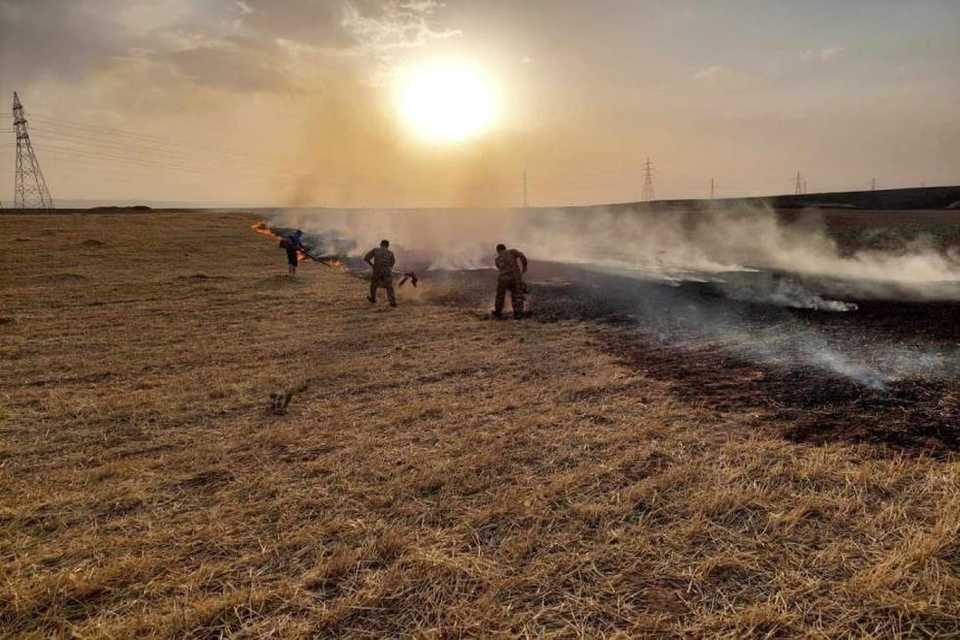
[
  {"x": 784, "y": 291},
  {"x": 750, "y": 253},
  {"x": 676, "y": 272}
]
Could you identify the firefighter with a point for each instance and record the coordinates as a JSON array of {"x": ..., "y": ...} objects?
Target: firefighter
[
  {"x": 511, "y": 265},
  {"x": 293, "y": 244},
  {"x": 381, "y": 260}
]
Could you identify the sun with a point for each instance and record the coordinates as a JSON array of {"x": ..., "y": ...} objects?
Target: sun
[{"x": 448, "y": 101}]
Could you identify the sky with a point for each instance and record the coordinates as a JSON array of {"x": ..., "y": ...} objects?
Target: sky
[{"x": 293, "y": 102}]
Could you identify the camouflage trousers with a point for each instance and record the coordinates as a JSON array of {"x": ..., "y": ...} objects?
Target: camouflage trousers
[
  {"x": 382, "y": 281},
  {"x": 517, "y": 289}
]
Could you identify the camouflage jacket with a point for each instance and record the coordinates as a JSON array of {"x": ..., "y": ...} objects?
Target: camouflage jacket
[
  {"x": 511, "y": 264},
  {"x": 383, "y": 261}
]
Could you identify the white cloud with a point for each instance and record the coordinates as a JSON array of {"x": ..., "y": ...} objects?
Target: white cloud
[
  {"x": 823, "y": 55},
  {"x": 831, "y": 52},
  {"x": 399, "y": 25},
  {"x": 712, "y": 73}
]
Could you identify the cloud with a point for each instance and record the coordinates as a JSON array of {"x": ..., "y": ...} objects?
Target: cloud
[
  {"x": 397, "y": 25},
  {"x": 241, "y": 46},
  {"x": 825, "y": 54},
  {"x": 724, "y": 76},
  {"x": 238, "y": 64},
  {"x": 712, "y": 73},
  {"x": 53, "y": 40}
]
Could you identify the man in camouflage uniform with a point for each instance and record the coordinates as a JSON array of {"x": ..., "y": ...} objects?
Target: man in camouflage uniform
[
  {"x": 381, "y": 260},
  {"x": 511, "y": 264}
]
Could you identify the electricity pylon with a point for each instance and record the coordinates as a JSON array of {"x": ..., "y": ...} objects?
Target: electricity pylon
[
  {"x": 29, "y": 188},
  {"x": 648, "y": 193}
]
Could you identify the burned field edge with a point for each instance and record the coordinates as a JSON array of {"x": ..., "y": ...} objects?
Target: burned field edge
[
  {"x": 655, "y": 329},
  {"x": 435, "y": 475}
]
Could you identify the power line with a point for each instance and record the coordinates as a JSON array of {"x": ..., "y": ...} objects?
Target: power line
[
  {"x": 155, "y": 155},
  {"x": 90, "y": 147},
  {"x": 116, "y": 133}
]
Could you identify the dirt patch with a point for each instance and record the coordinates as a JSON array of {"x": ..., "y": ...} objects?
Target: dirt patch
[
  {"x": 91, "y": 243},
  {"x": 7, "y": 320}
]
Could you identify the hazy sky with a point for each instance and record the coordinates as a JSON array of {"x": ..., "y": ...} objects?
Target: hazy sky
[{"x": 292, "y": 101}]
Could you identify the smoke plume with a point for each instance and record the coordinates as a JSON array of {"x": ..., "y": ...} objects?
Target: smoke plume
[
  {"x": 713, "y": 245},
  {"x": 656, "y": 265}
]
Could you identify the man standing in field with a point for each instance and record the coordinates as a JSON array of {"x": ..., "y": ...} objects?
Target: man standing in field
[
  {"x": 293, "y": 244},
  {"x": 511, "y": 264},
  {"x": 381, "y": 260}
]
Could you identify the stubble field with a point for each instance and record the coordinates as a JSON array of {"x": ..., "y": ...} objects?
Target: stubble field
[{"x": 436, "y": 475}]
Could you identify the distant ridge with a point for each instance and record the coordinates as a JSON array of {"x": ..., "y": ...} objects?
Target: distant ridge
[
  {"x": 919, "y": 198},
  {"x": 881, "y": 199}
]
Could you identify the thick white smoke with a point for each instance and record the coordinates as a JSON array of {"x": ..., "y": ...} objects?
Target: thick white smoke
[
  {"x": 668, "y": 245},
  {"x": 745, "y": 254}
]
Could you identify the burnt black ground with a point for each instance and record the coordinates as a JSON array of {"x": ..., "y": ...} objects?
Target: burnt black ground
[{"x": 744, "y": 357}]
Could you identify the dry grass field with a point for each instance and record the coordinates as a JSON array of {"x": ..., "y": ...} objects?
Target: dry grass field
[{"x": 437, "y": 475}]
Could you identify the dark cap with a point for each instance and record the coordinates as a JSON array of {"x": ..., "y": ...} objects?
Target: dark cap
[
  {"x": 501, "y": 247},
  {"x": 384, "y": 243}
]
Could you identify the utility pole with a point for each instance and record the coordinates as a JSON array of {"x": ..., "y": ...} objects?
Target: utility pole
[
  {"x": 713, "y": 188},
  {"x": 30, "y": 189},
  {"x": 873, "y": 185},
  {"x": 798, "y": 184},
  {"x": 526, "y": 203},
  {"x": 648, "y": 193}
]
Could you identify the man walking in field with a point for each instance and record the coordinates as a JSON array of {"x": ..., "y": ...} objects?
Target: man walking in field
[
  {"x": 381, "y": 260},
  {"x": 293, "y": 244},
  {"x": 511, "y": 265}
]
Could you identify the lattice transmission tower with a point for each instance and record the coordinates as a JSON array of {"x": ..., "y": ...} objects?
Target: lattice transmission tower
[
  {"x": 648, "y": 194},
  {"x": 29, "y": 188}
]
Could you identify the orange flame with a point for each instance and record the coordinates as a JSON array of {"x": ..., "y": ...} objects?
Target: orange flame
[{"x": 264, "y": 230}]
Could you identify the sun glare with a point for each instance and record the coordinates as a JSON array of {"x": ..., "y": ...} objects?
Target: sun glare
[{"x": 447, "y": 101}]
